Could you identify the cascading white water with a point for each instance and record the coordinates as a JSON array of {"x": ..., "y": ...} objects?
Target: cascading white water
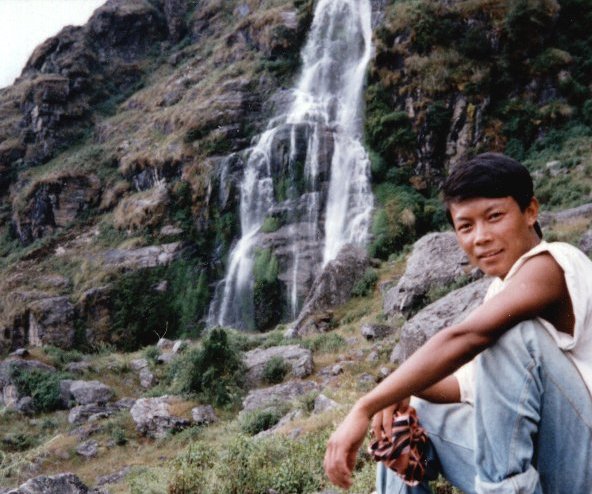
[{"x": 327, "y": 99}]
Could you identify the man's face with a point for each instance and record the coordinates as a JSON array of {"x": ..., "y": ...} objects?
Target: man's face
[{"x": 493, "y": 232}]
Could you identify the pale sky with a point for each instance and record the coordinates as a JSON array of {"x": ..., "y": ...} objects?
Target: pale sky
[{"x": 24, "y": 24}]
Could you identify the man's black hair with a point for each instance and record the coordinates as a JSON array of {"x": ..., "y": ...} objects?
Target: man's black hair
[{"x": 490, "y": 175}]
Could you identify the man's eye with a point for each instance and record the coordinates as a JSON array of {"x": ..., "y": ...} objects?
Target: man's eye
[
  {"x": 465, "y": 227},
  {"x": 495, "y": 215}
]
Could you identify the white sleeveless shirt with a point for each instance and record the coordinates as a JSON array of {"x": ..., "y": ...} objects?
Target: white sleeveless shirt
[{"x": 578, "y": 278}]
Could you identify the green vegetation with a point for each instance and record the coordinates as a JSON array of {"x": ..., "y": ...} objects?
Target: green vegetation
[
  {"x": 253, "y": 466},
  {"x": 267, "y": 291},
  {"x": 42, "y": 386},
  {"x": 257, "y": 421},
  {"x": 366, "y": 285},
  {"x": 165, "y": 300},
  {"x": 61, "y": 357},
  {"x": 214, "y": 372},
  {"x": 275, "y": 370}
]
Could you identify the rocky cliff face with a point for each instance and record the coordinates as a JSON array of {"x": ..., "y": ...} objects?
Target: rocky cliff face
[{"x": 121, "y": 142}]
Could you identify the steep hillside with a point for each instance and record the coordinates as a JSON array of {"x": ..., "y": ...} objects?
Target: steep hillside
[{"x": 122, "y": 152}]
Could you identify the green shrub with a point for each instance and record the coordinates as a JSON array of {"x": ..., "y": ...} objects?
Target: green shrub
[
  {"x": 151, "y": 354},
  {"x": 119, "y": 437},
  {"x": 62, "y": 357},
  {"x": 275, "y": 370},
  {"x": 190, "y": 470},
  {"x": 42, "y": 386},
  {"x": 18, "y": 441},
  {"x": 259, "y": 420},
  {"x": 366, "y": 284},
  {"x": 214, "y": 372}
]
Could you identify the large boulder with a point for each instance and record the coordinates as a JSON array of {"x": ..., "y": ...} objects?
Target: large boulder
[
  {"x": 153, "y": 416},
  {"x": 436, "y": 261},
  {"x": 278, "y": 394},
  {"x": 87, "y": 392},
  {"x": 297, "y": 358},
  {"x": 332, "y": 287},
  {"x": 7, "y": 365},
  {"x": 450, "y": 309},
  {"x": 63, "y": 483},
  {"x": 51, "y": 322}
]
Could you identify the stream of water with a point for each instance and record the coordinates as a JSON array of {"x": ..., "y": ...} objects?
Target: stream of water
[{"x": 328, "y": 99}]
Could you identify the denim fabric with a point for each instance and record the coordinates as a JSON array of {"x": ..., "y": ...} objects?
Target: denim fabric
[{"x": 530, "y": 431}]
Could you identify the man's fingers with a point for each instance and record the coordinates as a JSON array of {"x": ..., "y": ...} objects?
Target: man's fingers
[
  {"x": 387, "y": 420},
  {"x": 404, "y": 405},
  {"x": 337, "y": 468},
  {"x": 377, "y": 425}
]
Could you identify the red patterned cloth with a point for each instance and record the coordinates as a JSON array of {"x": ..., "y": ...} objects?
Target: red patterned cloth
[{"x": 405, "y": 451}]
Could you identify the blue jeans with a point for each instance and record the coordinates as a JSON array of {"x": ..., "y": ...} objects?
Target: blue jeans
[{"x": 529, "y": 431}]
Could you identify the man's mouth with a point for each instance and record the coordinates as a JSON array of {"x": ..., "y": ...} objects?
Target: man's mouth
[{"x": 489, "y": 255}]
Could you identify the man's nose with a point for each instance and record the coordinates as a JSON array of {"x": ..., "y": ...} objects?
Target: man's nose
[{"x": 482, "y": 233}]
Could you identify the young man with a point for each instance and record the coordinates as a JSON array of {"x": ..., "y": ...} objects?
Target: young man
[{"x": 517, "y": 418}]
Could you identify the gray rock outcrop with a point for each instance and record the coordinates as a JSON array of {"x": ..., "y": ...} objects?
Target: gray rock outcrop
[
  {"x": 63, "y": 483},
  {"x": 92, "y": 412},
  {"x": 274, "y": 395},
  {"x": 450, "y": 309},
  {"x": 586, "y": 243},
  {"x": 436, "y": 261},
  {"x": 547, "y": 218},
  {"x": 297, "y": 358},
  {"x": 204, "y": 415},
  {"x": 143, "y": 257},
  {"x": 153, "y": 417},
  {"x": 332, "y": 287},
  {"x": 376, "y": 331},
  {"x": 51, "y": 322},
  {"x": 87, "y": 392}
]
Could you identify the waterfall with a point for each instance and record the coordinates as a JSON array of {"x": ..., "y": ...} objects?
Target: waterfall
[{"x": 323, "y": 130}]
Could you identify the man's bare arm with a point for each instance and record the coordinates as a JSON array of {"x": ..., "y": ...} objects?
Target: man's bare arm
[{"x": 538, "y": 285}]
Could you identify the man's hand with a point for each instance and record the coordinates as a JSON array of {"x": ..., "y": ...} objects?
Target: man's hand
[
  {"x": 383, "y": 420},
  {"x": 343, "y": 445}
]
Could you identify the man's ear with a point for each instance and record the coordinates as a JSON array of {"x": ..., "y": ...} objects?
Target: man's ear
[{"x": 532, "y": 211}]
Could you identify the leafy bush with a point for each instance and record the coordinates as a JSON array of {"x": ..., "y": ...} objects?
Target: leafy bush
[
  {"x": 260, "y": 420},
  {"x": 275, "y": 370},
  {"x": 42, "y": 386},
  {"x": 365, "y": 285},
  {"x": 191, "y": 469},
  {"x": 214, "y": 372}
]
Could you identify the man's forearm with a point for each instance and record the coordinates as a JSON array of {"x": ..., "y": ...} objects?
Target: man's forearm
[
  {"x": 445, "y": 391},
  {"x": 438, "y": 358}
]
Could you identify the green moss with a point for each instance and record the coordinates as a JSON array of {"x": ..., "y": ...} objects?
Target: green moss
[
  {"x": 271, "y": 224},
  {"x": 268, "y": 296}
]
